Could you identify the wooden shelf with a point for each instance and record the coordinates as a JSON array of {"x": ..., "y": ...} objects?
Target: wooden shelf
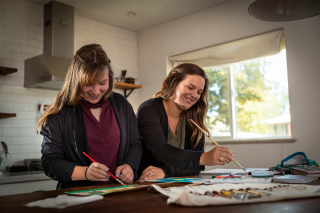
[
  {"x": 7, "y": 115},
  {"x": 125, "y": 87},
  {"x": 7, "y": 70},
  {"x": 119, "y": 85}
]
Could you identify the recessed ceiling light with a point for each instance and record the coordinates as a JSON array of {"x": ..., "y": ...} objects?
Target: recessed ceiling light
[{"x": 131, "y": 13}]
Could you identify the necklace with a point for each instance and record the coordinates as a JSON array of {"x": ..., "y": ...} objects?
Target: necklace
[{"x": 170, "y": 121}]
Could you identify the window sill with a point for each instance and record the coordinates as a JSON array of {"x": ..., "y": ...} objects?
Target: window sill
[{"x": 253, "y": 140}]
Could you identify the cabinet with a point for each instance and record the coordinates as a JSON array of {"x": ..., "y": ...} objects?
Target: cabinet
[{"x": 125, "y": 87}]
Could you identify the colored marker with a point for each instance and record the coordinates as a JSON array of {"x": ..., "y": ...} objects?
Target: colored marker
[{"x": 107, "y": 171}]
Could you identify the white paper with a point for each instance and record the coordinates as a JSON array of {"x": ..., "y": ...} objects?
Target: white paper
[
  {"x": 63, "y": 201},
  {"x": 229, "y": 171}
]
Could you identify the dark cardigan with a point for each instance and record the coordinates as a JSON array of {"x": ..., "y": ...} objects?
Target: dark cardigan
[
  {"x": 153, "y": 127},
  {"x": 65, "y": 140}
]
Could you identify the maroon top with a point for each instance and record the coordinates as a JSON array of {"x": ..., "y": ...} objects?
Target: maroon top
[{"x": 103, "y": 136}]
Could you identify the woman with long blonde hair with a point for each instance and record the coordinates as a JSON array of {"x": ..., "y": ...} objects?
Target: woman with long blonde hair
[
  {"x": 172, "y": 145},
  {"x": 87, "y": 116}
]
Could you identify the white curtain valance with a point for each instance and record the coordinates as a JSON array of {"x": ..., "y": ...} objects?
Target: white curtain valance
[{"x": 232, "y": 52}]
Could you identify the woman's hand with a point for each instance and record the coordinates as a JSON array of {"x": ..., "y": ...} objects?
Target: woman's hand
[
  {"x": 126, "y": 173},
  {"x": 216, "y": 156},
  {"x": 152, "y": 173},
  {"x": 97, "y": 172}
]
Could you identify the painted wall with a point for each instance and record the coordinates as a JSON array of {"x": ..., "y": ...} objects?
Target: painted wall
[
  {"x": 228, "y": 22},
  {"x": 21, "y": 37}
]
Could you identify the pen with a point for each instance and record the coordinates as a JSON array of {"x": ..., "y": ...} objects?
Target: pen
[{"x": 117, "y": 179}]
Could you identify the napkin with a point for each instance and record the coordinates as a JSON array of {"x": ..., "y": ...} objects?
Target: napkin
[{"x": 64, "y": 201}]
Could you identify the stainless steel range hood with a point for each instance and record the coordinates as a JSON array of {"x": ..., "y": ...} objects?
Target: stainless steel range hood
[{"x": 48, "y": 71}]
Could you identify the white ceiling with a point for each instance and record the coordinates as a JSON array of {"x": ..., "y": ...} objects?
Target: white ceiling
[{"x": 149, "y": 13}]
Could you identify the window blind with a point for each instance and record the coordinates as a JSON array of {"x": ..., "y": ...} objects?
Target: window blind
[{"x": 258, "y": 46}]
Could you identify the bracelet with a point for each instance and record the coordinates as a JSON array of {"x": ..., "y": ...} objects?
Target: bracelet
[{"x": 85, "y": 173}]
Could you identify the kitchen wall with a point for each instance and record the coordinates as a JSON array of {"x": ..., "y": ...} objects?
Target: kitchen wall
[
  {"x": 21, "y": 37},
  {"x": 229, "y": 22}
]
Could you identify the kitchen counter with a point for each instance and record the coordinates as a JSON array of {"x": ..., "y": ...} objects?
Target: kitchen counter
[{"x": 16, "y": 177}]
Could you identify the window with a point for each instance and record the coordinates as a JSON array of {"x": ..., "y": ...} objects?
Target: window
[
  {"x": 248, "y": 86},
  {"x": 249, "y": 99}
]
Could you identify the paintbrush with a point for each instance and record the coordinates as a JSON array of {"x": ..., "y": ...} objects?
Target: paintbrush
[
  {"x": 117, "y": 179},
  {"x": 207, "y": 134}
]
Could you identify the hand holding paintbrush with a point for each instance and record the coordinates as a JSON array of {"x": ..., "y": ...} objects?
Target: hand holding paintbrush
[
  {"x": 105, "y": 170},
  {"x": 207, "y": 134}
]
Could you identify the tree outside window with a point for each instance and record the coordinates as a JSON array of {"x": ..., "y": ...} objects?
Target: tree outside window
[{"x": 250, "y": 99}]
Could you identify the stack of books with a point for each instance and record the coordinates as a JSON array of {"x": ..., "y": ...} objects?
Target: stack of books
[{"x": 308, "y": 171}]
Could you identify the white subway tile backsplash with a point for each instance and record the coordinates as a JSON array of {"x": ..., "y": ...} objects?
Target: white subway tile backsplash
[
  {"x": 12, "y": 31},
  {"x": 33, "y": 107},
  {"x": 35, "y": 140},
  {"x": 10, "y": 63},
  {"x": 5, "y": 123},
  {"x": 11, "y": 98},
  {"x": 1, "y": 28},
  {"x": 6, "y": 21},
  {"x": 6, "y": 5},
  {"x": 19, "y": 107},
  {"x": 7, "y": 140},
  {"x": 1, "y": 45},
  {"x": 1, "y": 132},
  {"x": 28, "y": 115},
  {"x": 29, "y": 18},
  {"x": 20, "y": 123},
  {"x": 12, "y": 14},
  {"x": 5, "y": 37},
  {"x": 12, "y": 47},
  {"x": 28, "y": 4},
  {"x": 18, "y": 158},
  {"x": 11, "y": 80},
  {"x": 5, "y": 88},
  {"x": 19, "y": 90},
  {"x": 51, "y": 93},
  {"x": 5, "y": 54},
  {"x": 35, "y": 43},
  {"x": 27, "y": 148},
  {"x": 11, "y": 132},
  {"x": 35, "y": 28},
  {"x": 20, "y": 56},
  {"x": 38, "y": 148},
  {"x": 47, "y": 100},
  {"x": 21, "y": 8},
  {"x": 5, "y": 106},
  {"x": 35, "y": 12},
  {"x": 33, "y": 91},
  {"x": 28, "y": 34},
  {"x": 34, "y": 155},
  {"x": 2, "y": 12},
  {"x": 1, "y": 94},
  {"x": 27, "y": 132},
  {"x": 28, "y": 50},
  {"x": 28, "y": 99},
  {"x": 14, "y": 149},
  {"x": 20, "y": 24},
  {"x": 40, "y": 37},
  {"x": 33, "y": 123}
]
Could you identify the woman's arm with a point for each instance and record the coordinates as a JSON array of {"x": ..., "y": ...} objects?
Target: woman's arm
[
  {"x": 153, "y": 137},
  {"x": 54, "y": 164}
]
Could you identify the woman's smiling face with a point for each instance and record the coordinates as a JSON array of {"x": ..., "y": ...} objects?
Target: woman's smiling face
[
  {"x": 95, "y": 91},
  {"x": 188, "y": 91}
]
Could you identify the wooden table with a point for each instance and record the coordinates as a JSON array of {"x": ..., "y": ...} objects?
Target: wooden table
[{"x": 149, "y": 201}]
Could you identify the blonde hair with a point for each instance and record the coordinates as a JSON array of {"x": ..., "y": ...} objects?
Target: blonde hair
[
  {"x": 199, "y": 110},
  {"x": 89, "y": 65}
]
